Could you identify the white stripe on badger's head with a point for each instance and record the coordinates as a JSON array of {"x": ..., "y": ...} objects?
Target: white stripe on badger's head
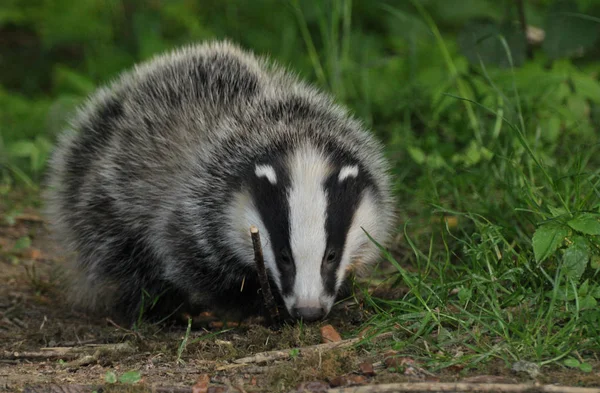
[{"x": 308, "y": 202}]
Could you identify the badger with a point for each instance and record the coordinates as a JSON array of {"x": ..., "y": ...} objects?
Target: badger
[{"x": 155, "y": 183}]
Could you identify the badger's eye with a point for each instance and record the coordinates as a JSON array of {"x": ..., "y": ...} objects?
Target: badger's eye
[
  {"x": 285, "y": 256},
  {"x": 331, "y": 255}
]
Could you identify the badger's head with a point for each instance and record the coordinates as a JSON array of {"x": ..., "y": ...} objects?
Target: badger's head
[{"x": 311, "y": 205}]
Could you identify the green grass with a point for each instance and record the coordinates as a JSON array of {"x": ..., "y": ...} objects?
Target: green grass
[
  {"x": 515, "y": 277},
  {"x": 496, "y": 168}
]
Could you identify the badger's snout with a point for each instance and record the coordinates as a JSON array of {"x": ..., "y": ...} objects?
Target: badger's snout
[
  {"x": 309, "y": 314},
  {"x": 309, "y": 310}
]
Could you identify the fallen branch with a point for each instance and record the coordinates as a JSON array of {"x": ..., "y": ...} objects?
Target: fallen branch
[
  {"x": 68, "y": 353},
  {"x": 463, "y": 387},
  {"x": 269, "y": 356},
  {"x": 58, "y": 353},
  {"x": 272, "y": 314}
]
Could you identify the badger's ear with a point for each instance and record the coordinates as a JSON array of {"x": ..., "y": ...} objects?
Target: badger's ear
[
  {"x": 348, "y": 171},
  {"x": 267, "y": 171}
]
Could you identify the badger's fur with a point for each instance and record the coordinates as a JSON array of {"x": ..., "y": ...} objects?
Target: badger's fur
[{"x": 161, "y": 174}]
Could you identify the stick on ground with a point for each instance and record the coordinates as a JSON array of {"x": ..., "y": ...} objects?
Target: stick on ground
[
  {"x": 270, "y": 356},
  {"x": 272, "y": 314}
]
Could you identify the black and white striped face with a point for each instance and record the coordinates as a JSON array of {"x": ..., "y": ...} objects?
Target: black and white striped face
[{"x": 310, "y": 206}]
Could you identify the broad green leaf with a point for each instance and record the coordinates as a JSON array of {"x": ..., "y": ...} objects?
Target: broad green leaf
[
  {"x": 110, "y": 377},
  {"x": 130, "y": 377},
  {"x": 587, "y": 223},
  {"x": 576, "y": 257},
  {"x": 546, "y": 239},
  {"x": 571, "y": 362},
  {"x": 587, "y": 302},
  {"x": 585, "y": 367}
]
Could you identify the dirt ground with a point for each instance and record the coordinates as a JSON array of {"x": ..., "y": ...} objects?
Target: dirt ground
[{"x": 45, "y": 346}]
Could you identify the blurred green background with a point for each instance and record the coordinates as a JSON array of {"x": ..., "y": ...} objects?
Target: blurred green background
[{"x": 381, "y": 58}]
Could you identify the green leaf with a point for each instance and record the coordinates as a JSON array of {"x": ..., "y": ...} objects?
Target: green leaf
[
  {"x": 585, "y": 367},
  {"x": 130, "y": 377},
  {"x": 584, "y": 288},
  {"x": 588, "y": 302},
  {"x": 588, "y": 223},
  {"x": 110, "y": 377},
  {"x": 576, "y": 257},
  {"x": 22, "y": 243},
  {"x": 595, "y": 262},
  {"x": 546, "y": 239},
  {"x": 571, "y": 362},
  {"x": 586, "y": 86},
  {"x": 417, "y": 155}
]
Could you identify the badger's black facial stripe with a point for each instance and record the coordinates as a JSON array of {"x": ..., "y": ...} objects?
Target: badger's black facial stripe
[
  {"x": 268, "y": 182},
  {"x": 344, "y": 189}
]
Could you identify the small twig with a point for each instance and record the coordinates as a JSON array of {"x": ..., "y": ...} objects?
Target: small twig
[
  {"x": 463, "y": 387},
  {"x": 269, "y": 356},
  {"x": 272, "y": 314}
]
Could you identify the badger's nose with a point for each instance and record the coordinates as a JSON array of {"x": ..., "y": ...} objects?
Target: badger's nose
[{"x": 309, "y": 314}]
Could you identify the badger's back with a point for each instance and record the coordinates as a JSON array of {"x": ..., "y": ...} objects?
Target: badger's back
[{"x": 119, "y": 182}]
